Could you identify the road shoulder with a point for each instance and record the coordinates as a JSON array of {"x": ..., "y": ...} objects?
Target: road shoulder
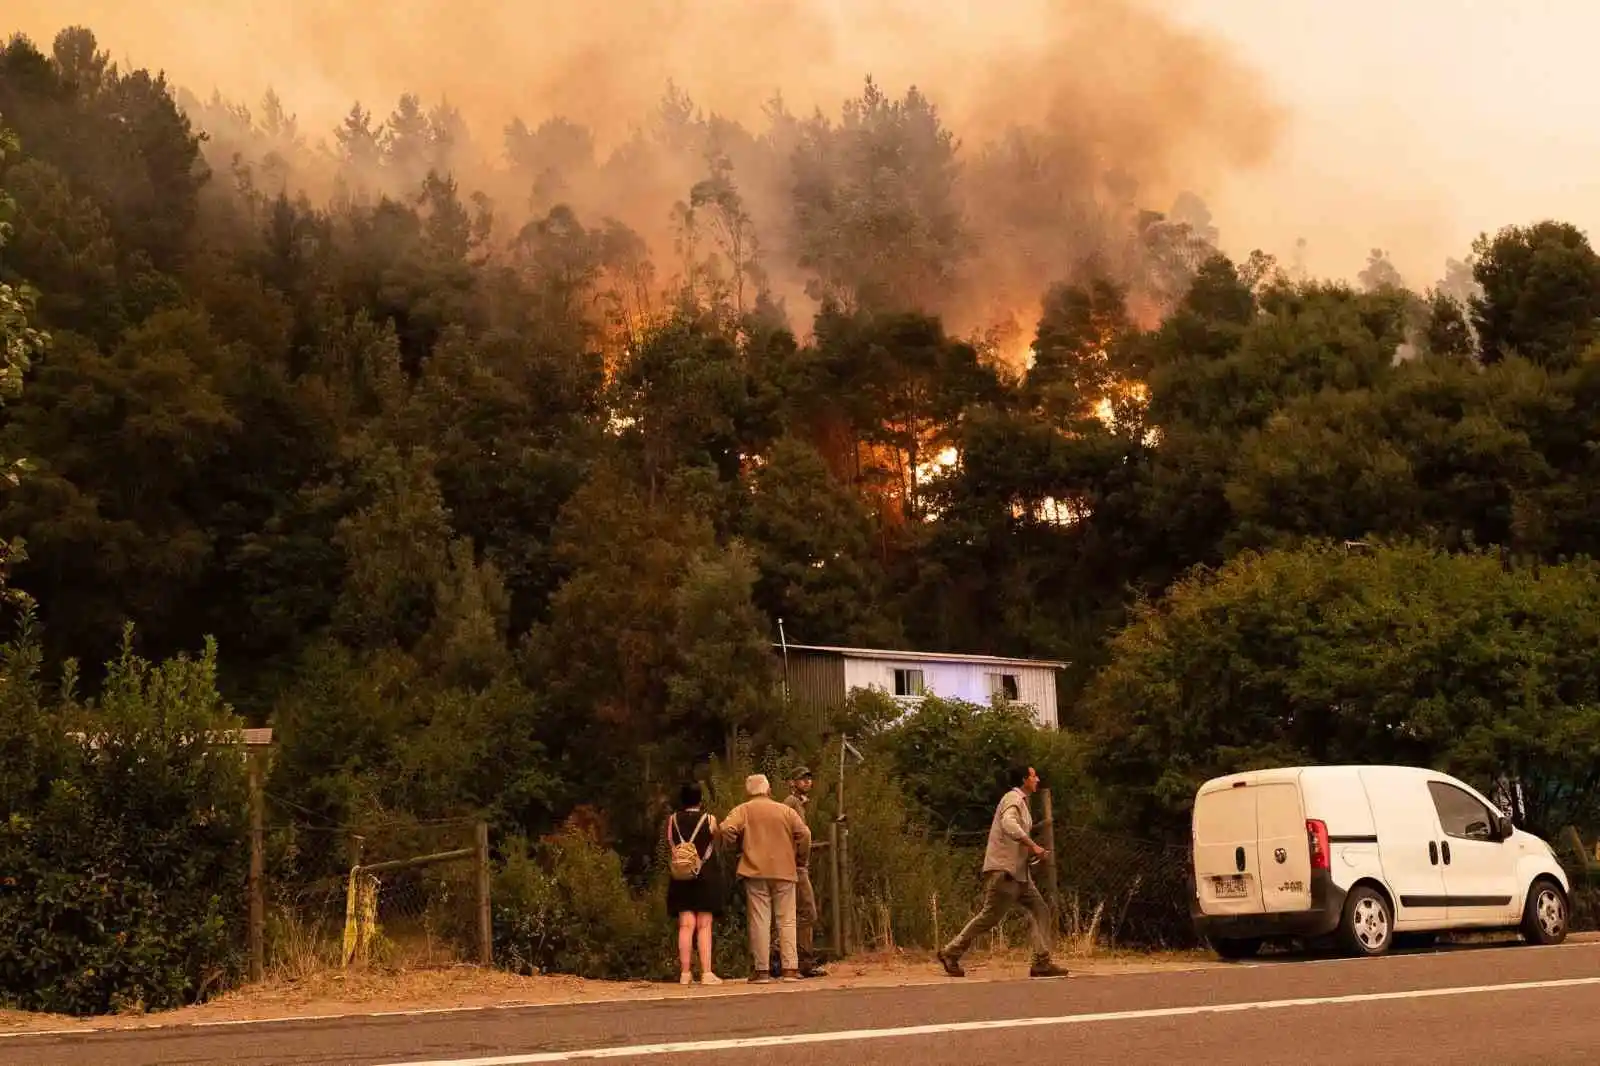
[{"x": 466, "y": 988}]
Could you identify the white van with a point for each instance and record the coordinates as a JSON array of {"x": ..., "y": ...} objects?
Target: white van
[{"x": 1360, "y": 854}]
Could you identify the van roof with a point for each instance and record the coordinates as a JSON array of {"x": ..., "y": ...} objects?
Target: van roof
[{"x": 1290, "y": 773}]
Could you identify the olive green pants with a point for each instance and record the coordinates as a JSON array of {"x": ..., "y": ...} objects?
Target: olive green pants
[{"x": 1001, "y": 892}]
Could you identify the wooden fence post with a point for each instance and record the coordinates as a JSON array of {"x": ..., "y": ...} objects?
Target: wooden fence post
[
  {"x": 258, "y": 902},
  {"x": 1051, "y": 882},
  {"x": 847, "y": 925},
  {"x": 836, "y": 933},
  {"x": 485, "y": 917}
]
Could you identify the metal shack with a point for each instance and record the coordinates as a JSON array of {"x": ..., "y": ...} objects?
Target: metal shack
[{"x": 823, "y": 677}]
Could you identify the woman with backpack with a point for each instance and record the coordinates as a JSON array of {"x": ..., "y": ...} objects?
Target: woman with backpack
[{"x": 694, "y": 895}]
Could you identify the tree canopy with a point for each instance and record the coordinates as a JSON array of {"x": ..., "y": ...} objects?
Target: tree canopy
[{"x": 492, "y": 501}]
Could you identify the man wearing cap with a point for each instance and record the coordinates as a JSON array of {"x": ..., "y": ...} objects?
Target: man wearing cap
[{"x": 805, "y": 899}]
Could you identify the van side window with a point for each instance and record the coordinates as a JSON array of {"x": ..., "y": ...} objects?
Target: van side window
[{"x": 1460, "y": 815}]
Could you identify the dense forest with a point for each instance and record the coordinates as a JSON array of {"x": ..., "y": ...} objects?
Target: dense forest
[{"x": 491, "y": 498}]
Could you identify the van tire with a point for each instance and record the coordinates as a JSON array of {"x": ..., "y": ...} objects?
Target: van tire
[
  {"x": 1546, "y": 914},
  {"x": 1367, "y": 927},
  {"x": 1247, "y": 948}
]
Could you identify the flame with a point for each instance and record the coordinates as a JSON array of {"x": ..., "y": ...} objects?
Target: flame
[{"x": 1051, "y": 511}]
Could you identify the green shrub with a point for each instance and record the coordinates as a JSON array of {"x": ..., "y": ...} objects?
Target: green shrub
[
  {"x": 952, "y": 757},
  {"x": 900, "y": 869},
  {"x": 123, "y": 857},
  {"x": 563, "y": 906}
]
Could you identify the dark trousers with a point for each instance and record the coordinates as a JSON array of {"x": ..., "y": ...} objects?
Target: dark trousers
[{"x": 1001, "y": 892}]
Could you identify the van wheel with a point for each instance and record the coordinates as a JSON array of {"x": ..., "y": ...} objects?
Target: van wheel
[
  {"x": 1544, "y": 916},
  {"x": 1237, "y": 949},
  {"x": 1368, "y": 924}
]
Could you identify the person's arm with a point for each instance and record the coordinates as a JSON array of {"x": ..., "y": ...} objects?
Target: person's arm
[{"x": 734, "y": 826}]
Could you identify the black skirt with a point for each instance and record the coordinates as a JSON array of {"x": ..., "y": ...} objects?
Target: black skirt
[{"x": 705, "y": 894}]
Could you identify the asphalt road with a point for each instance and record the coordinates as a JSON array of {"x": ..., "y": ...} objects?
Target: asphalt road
[{"x": 1505, "y": 1005}]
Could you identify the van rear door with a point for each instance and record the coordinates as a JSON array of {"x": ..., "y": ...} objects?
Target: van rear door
[
  {"x": 1227, "y": 861},
  {"x": 1285, "y": 848}
]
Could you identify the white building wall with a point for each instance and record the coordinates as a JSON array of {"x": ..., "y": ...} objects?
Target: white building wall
[{"x": 1036, "y": 685}]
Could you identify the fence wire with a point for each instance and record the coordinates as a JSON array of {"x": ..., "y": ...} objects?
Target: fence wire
[
  {"x": 1112, "y": 891},
  {"x": 411, "y": 916},
  {"x": 1121, "y": 891},
  {"x": 909, "y": 890}
]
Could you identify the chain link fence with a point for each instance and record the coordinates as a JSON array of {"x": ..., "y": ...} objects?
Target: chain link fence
[
  {"x": 403, "y": 893},
  {"x": 1121, "y": 891},
  {"x": 1110, "y": 892},
  {"x": 1580, "y": 857}
]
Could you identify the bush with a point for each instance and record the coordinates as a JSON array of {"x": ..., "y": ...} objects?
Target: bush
[
  {"x": 124, "y": 853},
  {"x": 900, "y": 868},
  {"x": 563, "y": 906},
  {"x": 1400, "y": 654},
  {"x": 952, "y": 757}
]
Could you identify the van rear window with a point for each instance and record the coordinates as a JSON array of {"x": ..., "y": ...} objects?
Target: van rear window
[{"x": 1226, "y": 817}]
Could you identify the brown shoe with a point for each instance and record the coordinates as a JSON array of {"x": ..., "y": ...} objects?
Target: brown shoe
[
  {"x": 951, "y": 964},
  {"x": 1046, "y": 968},
  {"x": 761, "y": 977},
  {"x": 791, "y": 975}
]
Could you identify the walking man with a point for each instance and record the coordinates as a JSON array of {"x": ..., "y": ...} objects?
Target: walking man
[
  {"x": 1008, "y": 882},
  {"x": 772, "y": 838},
  {"x": 805, "y": 898}
]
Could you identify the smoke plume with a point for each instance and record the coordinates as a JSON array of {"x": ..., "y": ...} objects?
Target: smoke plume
[{"x": 1068, "y": 117}]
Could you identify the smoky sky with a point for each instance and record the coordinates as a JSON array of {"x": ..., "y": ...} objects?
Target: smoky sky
[{"x": 1096, "y": 86}]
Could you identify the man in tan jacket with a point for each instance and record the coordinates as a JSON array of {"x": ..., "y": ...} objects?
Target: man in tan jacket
[{"x": 771, "y": 837}]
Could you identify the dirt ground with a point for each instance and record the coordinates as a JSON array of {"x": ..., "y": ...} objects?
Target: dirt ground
[{"x": 464, "y": 987}]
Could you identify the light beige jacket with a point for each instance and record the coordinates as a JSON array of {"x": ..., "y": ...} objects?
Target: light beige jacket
[
  {"x": 1009, "y": 836},
  {"x": 771, "y": 836}
]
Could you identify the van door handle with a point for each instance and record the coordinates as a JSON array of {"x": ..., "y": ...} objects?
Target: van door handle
[
  {"x": 1238, "y": 858},
  {"x": 1433, "y": 853},
  {"x": 1446, "y": 846}
]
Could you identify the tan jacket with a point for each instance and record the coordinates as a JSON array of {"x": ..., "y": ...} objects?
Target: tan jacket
[
  {"x": 772, "y": 836},
  {"x": 1008, "y": 836}
]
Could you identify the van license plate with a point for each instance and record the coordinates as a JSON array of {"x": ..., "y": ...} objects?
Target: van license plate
[{"x": 1229, "y": 887}]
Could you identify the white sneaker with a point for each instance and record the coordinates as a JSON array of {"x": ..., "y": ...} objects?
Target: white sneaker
[
  {"x": 686, "y": 978},
  {"x": 710, "y": 979}
]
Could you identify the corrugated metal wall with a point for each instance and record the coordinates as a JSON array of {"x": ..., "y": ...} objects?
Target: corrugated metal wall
[{"x": 816, "y": 679}]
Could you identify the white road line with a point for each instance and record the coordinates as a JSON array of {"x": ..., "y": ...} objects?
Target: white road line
[{"x": 850, "y": 1035}]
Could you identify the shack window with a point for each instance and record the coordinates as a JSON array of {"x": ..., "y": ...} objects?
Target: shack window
[
  {"x": 908, "y": 683},
  {"x": 1005, "y": 686}
]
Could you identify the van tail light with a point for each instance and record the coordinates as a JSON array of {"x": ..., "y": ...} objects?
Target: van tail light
[{"x": 1317, "y": 837}]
